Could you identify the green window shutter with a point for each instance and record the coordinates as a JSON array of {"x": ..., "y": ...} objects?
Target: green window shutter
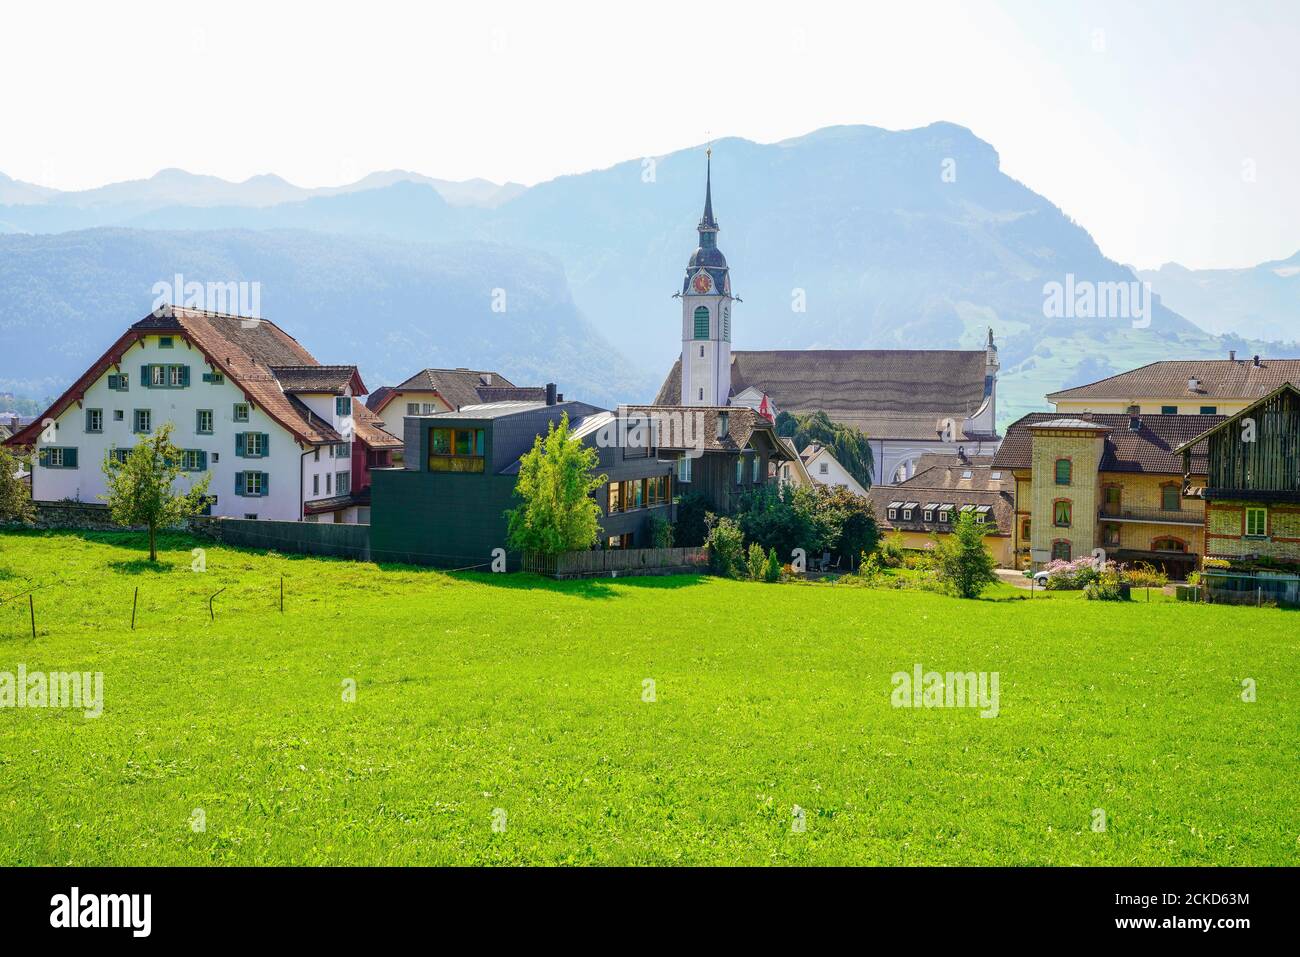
[
  {"x": 701, "y": 322},
  {"x": 43, "y": 457},
  {"x": 146, "y": 380},
  {"x": 266, "y": 483},
  {"x": 185, "y": 376},
  {"x": 266, "y": 445},
  {"x": 203, "y": 461},
  {"x": 69, "y": 458},
  {"x": 239, "y": 483},
  {"x": 239, "y": 444}
]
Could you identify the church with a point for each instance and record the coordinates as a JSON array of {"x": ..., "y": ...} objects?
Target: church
[{"x": 908, "y": 402}]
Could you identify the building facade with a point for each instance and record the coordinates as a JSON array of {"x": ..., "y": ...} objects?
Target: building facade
[
  {"x": 1109, "y": 482},
  {"x": 250, "y": 407}
]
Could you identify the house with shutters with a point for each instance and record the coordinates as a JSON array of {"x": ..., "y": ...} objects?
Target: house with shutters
[
  {"x": 282, "y": 436},
  {"x": 431, "y": 391}
]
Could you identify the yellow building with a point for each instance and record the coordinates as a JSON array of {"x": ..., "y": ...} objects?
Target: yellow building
[
  {"x": 1110, "y": 482},
  {"x": 1181, "y": 387}
]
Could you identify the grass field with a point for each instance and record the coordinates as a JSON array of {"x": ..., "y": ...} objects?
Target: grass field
[{"x": 479, "y": 692}]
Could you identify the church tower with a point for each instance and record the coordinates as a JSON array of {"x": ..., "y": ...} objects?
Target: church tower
[{"x": 706, "y": 313}]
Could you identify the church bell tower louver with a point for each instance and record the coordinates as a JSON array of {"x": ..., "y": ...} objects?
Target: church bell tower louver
[{"x": 706, "y": 313}]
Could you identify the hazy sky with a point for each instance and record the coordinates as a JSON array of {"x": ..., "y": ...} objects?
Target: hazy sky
[{"x": 1167, "y": 129}]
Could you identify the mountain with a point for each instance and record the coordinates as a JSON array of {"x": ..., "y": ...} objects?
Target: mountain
[
  {"x": 391, "y": 307},
  {"x": 1261, "y": 301},
  {"x": 848, "y": 237},
  {"x": 16, "y": 193}
]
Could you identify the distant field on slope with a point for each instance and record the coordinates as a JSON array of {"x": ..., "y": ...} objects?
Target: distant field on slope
[{"x": 478, "y": 693}]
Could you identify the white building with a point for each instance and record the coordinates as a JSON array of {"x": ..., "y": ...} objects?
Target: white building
[
  {"x": 825, "y": 469},
  {"x": 281, "y": 436}
]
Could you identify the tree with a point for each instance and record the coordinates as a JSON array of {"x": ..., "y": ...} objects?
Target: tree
[
  {"x": 851, "y": 521},
  {"x": 783, "y": 518},
  {"x": 140, "y": 487},
  {"x": 962, "y": 562},
  {"x": 726, "y": 544},
  {"x": 556, "y": 482},
  {"x": 15, "y": 499},
  {"x": 692, "y": 523},
  {"x": 849, "y": 445}
]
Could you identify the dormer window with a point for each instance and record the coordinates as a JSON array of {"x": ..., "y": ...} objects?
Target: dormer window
[{"x": 723, "y": 421}]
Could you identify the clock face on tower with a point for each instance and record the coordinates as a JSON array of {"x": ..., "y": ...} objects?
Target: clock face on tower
[{"x": 702, "y": 283}]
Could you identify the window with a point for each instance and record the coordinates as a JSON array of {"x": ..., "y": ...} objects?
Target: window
[
  {"x": 203, "y": 421},
  {"x": 740, "y": 469},
  {"x": 1111, "y": 497},
  {"x": 755, "y": 464},
  {"x": 1257, "y": 522},
  {"x": 329, "y": 483},
  {"x": 342, "y": 405},
  {"x": 1169, "y": 410},
  {"x": 250, "y": 516},
  {"x": 342, "y": 483},
  {"x": 929, "y": 515},
  {"x": 966, "y": 473},
  {"x": 119, "y": 455},
  {"x": 315, "y": 485},
  {"x": 1060, "y": 550},
  {"x": 165, "y": 342},
  {"x": 194, "y": 460},
  {"x": 615, "y": 502},
  {"x": 450, "y": 450},
  {"x": 341, "y": 450},
  {"x": 701, "y": 352},
  {"x": 118, "y": 415},
  {"x": 824, "y": 468},
  {"x": 726, "y": 324},
  {"x": 944, "y": 513},
  {"x": 216, "y": 457},
  {"x": 1168, "y": 545},
  {"x": 143, "y": 423},
  {"x": 252, "y": 483},
  {"x": 684, "y": 469},
  {"x": 118, "y": 382},
  {"x": 1110, "y": 535},
  {"x": 1209, "y": 410},
  {"x": 412, "y": 408},
  {"x": 165, "y": 376},
  {"x": 907, "y": 514},
  {"x": 702, "y": 322},
  {"x": 701, "y": 395},
  {"x": 893, "y": 514},
  {"x": 1171, "y": 498},
  {"x": 252, "y": 445},
  {"x": 1062, "y": 512},
  {"x": 58, "y": 458},
  {"x": 215, "y": 378},
  {"x": 1063, "y": 468},
  {"x": 1024, "y": 528},
  {"x": 94, "y": 420},
  {"x": 241, "y": 411},
  {"x": 995, "y": 476}
]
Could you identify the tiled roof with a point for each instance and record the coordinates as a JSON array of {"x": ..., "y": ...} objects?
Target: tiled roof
[
  {"x": 887, "y": 393},
  {"x": 333, "y": 380},
  {"x": 1151, "y": 448},
  {"x": 458, "y": 386},
  {"x": 949, "y": 472},
  {"x": 921, "y": 494},
  {"x": 368, "y": 428},
  {"x": 1216, "y": 379}
]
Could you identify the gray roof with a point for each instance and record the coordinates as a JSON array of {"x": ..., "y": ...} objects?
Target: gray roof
[{"x": 1215, "y": 379}]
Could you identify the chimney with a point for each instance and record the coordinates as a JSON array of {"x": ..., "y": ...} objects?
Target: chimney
[
  {"x": 1193, "y": 384},
  {"x": 961, "y": 452},
  {"x": 1135, "y": 423},
  {"x": 1257, "y": 364},
  {"x": 551, "y": 395},
  {"x": 1232, "y": 355},
  {"x": 559, "y": 397}
]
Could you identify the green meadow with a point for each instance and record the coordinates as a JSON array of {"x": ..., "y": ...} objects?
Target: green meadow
[{"x": 676, "y": 720}]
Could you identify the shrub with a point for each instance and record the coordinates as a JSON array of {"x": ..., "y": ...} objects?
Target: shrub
[
  {"x": 15, "y": 499},
  {"x": 919, "y": 561},
  {"x": 892, "y": 554},
  {"x": 846, "y": 523},
  {"x": 962, "y": 563},
  {"x": 725, "y": 543},
  {"x": 757, "y": 562},
  {"x": 870, "y": 569},
  {"x": 772, "y": 573},
  {"x": 1143, "y": 575},
  {"x": 556, "y": 481},
  {"x": 783, "y": 518},
  {"x": 661, "y": 532},
  {"x": 1071, "y": 576},
  {"x": 1107, "y": 586}
]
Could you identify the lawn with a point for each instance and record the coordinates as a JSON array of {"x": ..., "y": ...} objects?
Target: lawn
[{"x": 483, "y": 692}]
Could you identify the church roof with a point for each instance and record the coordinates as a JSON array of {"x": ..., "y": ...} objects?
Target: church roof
[{"x": 887, "y": 393}]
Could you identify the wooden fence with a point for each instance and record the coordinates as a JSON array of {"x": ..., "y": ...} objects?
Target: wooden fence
[{"x": 617, "y": 561}]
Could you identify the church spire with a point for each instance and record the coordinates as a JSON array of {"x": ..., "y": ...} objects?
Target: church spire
[{"x": 707, "y": 221}]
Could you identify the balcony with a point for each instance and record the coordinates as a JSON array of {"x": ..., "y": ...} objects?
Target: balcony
[{"x": 1152, "y": 516}]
